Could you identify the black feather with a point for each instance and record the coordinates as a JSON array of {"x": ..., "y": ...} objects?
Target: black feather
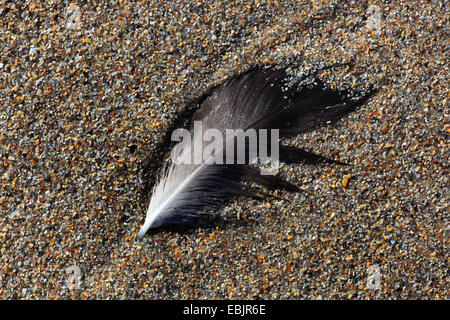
[{"x": 259, "y": 99}]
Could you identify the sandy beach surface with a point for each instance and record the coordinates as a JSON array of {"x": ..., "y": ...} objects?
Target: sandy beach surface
[{"x": 88, "y": 89}]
